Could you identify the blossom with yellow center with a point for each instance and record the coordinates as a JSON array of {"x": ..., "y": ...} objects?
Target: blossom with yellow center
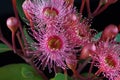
[
  {"x": 107, "y": 59},
  {"x": 51, "y": 49},
  {"x": 47, "y": 11}
]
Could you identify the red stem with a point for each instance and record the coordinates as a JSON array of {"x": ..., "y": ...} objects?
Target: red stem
[
  {"x": 96, "y": 10},
  {"x": 88, "y": 8},
  {"x": 82, "y": 6},
  {"x": 101, "y": 10},
  {"x": 15, "y": 9},
  {"x": 77, "y": 75},
  {"x": 84, "y": 64},
  {"x": 65, "y": 73},
  {"x": 4, "y": 40},
  {"x": 13, "y": 42},
  {"x": 90, "y": 70},
  {"x": 97, "y": 73},
  {"x": 16, "y": 15},
  {"x": 20, "y": 42}
]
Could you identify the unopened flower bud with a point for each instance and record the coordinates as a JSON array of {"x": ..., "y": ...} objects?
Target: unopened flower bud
[
  {"x": 87, "y": 50},
  {"x": 12, "y": 24},
  {"x": 109, "y": 33},
  {"x": 73, "y": 20}
]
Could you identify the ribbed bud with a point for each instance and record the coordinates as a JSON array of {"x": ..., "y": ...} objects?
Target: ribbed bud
[
  {"x": 87, "y": 50},
  {"x": 109, "y": 33},
  {"x": 12, "y": 24}
]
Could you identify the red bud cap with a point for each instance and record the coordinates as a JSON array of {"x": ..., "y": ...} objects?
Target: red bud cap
[
  {"x": 12, "y": 24},
  {"x": 87, "y": 50},
  {"x": 109, "y": 32}
]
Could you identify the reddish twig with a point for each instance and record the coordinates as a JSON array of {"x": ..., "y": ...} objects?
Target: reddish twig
[
  {"x": 20, "y": 42},
  {"x": 88, "y": 8},
  {"x": 4, "y": 40},
  {"x": 82, "y": 6},
  {"x": 16, "y": 15},
  {"x": 90, "y": 70}
]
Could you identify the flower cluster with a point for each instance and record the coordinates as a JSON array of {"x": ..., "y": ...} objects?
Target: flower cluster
[
  {"x": 107, "y": 59},
  {"x": 57, "y": 29},
  {"x": 62, "y": 37}
]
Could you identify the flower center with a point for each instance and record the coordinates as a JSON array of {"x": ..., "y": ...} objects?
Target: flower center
[
  {"x": 110, "y": 61},
  {"x": 50, "y": 12},
  {"x": 54, "y": 43}
]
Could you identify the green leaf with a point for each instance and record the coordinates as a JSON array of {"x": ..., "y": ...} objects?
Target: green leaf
[
  {"x": 28, "y": 38},
  {"x": 88, "y": 76},
  {"x": 4, "y": 48},
  {"x": 26, "y": 73},
  {"x": 117, "y": 38},
  {"x": 97, "y": 36},
  {"x": 19, "y": 8},
  {"x": 18, "y": 72},
  {"x": 60, "y": 76}
]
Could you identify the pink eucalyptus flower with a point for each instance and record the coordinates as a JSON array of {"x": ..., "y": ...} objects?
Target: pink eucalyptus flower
[
  {"x": 108, "y": 60},
  {"x": 79, "y": 32},
  {"x": 51, "y": 49},
  {"x": 47, "y": 11}
]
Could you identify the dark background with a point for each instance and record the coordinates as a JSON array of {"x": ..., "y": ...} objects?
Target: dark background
[{"x": 109, "y": 16}]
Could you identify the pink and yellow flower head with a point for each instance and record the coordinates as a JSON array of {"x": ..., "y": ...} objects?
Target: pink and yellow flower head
[
  {"x": 52, "y": 48},
  {"x": 107, "y": 59},
  {"x": 81, "y": 33},
  {"x": 47, "y": 11},
  {"x": 57, "y": 31}
]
